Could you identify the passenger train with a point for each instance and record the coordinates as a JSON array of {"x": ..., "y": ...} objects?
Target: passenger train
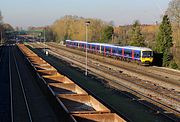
[{"x": 141, "y": 55}]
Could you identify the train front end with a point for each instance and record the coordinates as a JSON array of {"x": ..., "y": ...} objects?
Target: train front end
[{"x": 146, "y": 57}]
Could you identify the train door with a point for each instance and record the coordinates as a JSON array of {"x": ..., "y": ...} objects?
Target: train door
[
  {"x": 132, "y": 54},
  {"x": 123, "y": 52},
  {"x": 111, "y": 51},
  {"x": 90, "y": 47},
  {"x": 104, "y": 50},
  {"x": 84, "y": 46},
  {"x": 96, "y": 48}
]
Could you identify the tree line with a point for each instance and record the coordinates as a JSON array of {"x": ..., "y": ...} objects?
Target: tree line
[
  {"x": 160, "y": 37},
  {"x": 73, "y": 27},
  {"x": 4, "y": 27}
]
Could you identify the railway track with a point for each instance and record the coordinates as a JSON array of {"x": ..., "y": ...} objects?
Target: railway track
[
  {"x": 10, "y": 89},
  {"x": 4, "y": 88},
  {"x": 25, "y": 106},
  {"x": 169, "y": 79},
  {"x": 137, "y": 85},
  {"x": 80, "y": 105},
  {"x": 27, "y": 101}
]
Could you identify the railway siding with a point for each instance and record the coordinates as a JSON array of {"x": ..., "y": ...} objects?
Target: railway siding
[
  {"x": 76, "y": 102},
  {"x": 149, "y": 92}
]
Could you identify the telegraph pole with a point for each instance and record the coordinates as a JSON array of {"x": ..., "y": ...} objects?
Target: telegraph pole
[
  {"x": 45, "y": 50},
  {"x": 87, "y": 24},
  {"x": 44, "y": 40}
]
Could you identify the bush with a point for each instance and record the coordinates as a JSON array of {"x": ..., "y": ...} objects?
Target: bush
[{"x": 173, "y": 65}]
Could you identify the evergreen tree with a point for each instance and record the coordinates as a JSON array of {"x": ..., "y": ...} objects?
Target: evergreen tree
[
  {"x": 164, "y": 40},
  {"x": 136, "y": 37},
  {"x": 107, "y": 33}
]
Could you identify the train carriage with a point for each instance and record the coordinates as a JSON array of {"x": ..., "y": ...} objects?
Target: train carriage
[{"x": 141, "y": 55}]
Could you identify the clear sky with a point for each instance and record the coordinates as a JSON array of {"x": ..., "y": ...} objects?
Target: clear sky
[{"x": 24, "y": 13}]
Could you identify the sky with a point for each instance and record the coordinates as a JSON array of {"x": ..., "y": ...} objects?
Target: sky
[{"x": 25, "y": 13}]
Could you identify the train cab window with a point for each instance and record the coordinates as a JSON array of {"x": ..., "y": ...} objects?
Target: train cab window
[{"x": 147, "y": 54}]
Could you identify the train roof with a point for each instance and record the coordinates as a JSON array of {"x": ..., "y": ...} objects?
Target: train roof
[
  {"x": 115, "y": 46},
  {"x": 137, "y": 48},
  {"x": 125, "y": 47},
  {"x": 76, "y": 41},
  {"x": 67, "y": 40},
  {"x": 79, "y": 41},
  {"x": 104, "y": 44}
]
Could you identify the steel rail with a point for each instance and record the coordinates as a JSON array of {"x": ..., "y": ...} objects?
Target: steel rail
[
  {"x": 23, "y": 90},
  {"x": 10, "y": 88}
]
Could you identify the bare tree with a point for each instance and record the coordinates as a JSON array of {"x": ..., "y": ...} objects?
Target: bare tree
[
  {"x": 1, "y": 18},
  {"x": 173, "y": 11},
  {"x": 73, "y": 27}
]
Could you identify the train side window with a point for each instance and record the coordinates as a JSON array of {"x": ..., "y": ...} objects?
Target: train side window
[
  {"x": 113, "y": 50},
  {"x": 108, "y": 49},
  {"x": 137, "y": 54},
  {"x": 120, "y": 51},
  {"x": 127, "y": 52},
  {"x": 102, "y": 48},
  {"x": 93, "y": 47},
  {"x": 98, "y": 47}
]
